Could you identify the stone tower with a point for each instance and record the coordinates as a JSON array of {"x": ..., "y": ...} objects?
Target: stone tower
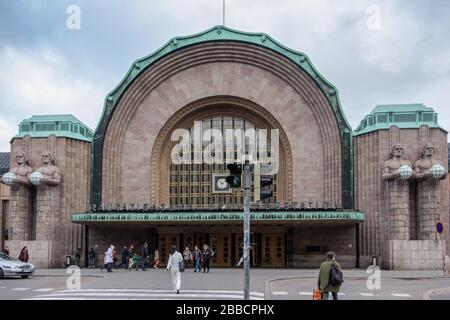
[
  {"x": 401, "y": 212},
  {"x": 57, "y": 150}
]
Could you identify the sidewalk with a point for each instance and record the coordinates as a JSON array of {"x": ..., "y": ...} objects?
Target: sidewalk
[{"x": 278, "y": 274}]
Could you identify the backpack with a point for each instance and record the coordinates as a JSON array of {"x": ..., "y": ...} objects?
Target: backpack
[
  {"x": 181, "y": 266},
  {"x": 336, "y": 276}
]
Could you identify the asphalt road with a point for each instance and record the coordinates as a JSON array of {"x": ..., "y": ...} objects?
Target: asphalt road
[{"x": 220, "y": 284}]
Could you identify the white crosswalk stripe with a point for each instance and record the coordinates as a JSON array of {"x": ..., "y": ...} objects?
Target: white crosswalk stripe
[
  {"x": 366, "y": 294},
  {"x": 280, "y": 293},
  {"x": 20, "y": 289},
  {"x": 138, "y": 294},
  {"x": 44, "y": 290},
  {"x": 401, "y": 295}
]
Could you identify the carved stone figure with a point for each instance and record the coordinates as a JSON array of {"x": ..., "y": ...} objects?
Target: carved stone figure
[
  {"x": 427, "y": 167},
  {"x": 51, "y": 175},
  {"x": 391, "y": 170},
  {"x": 21, "y": 172}
]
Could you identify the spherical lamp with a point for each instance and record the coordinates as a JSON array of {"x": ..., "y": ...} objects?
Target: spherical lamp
[
  {"x": 8, "y": 178},
  {"x": 405, "y": 172},
  {"x": 437, "y": 171},
  {"x": 36, "y": 177}
]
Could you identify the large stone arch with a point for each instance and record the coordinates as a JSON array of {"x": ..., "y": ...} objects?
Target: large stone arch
[
  {"x": 300, "y": 102},
  {"x": 211, "y": 107}
]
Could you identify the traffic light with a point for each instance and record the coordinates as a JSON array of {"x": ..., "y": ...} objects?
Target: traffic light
[
  {"x": 235, "y": 177},
  {"x": 266, "y": 181},
  {"x": 262, "y": 179}
]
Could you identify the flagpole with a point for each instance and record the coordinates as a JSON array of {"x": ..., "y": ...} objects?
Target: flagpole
[{"x": 223, "y": 12}]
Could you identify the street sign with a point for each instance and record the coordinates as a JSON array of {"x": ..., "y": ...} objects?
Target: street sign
[{"x": 439, "y": 227}]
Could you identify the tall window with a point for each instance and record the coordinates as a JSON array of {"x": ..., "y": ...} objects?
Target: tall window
[{"x": 192, "y": 184}]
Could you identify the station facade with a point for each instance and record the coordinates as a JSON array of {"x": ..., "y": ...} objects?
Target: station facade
[{"x": 335, "y": 188}]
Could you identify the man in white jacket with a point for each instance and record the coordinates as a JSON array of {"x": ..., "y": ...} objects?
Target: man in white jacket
[{"x": 175, "y": 258}]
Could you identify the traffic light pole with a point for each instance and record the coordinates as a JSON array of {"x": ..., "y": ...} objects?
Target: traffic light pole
[{"x": 246, "y": 190}]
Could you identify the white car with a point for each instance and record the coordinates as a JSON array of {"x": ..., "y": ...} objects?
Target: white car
[{"x": 12, "y": 267}]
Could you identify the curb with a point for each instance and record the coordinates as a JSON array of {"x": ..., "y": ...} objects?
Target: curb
[{"x": 434, "y": 292}]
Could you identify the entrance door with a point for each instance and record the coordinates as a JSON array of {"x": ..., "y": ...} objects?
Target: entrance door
[
  {"x": 273, "y": 249},
  {"x": 165, "y": 241},
  {"x": 221, "y": 245}
]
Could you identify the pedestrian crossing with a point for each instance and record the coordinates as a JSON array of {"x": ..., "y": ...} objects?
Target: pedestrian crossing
[
  {"x": 164, "y": 294},
  {"x": 145, "y": 294}
]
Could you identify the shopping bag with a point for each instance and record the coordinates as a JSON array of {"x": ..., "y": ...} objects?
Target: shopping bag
[{"x": 317, "y": 294}]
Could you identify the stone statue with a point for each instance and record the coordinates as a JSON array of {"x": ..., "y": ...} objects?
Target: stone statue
[
  {"x": 391, "y": 169},
  {"x": 427, "y": 167},
  {"x": 20, "y": 173},
  {"x": 51, "y": 175}
]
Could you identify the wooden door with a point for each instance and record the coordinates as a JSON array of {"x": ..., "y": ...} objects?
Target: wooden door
[
  {"x": 221, "y": 245},
  {"x": 273, "y": 249},
  {"x": 165, "y": 241}
]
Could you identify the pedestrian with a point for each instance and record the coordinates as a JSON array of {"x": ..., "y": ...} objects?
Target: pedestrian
[
  {"x": 134, "y": 260},
  {"x": 187, "y": 256},
  {"x": 156, "y": 260},
  {"x": 330, "y": 277},
  {"x": 197, "y": 256},
  {"x": 207, "y": 255},
  {"x": 78, "y": 257},
  {"x": 174, "y": 266},
  {"x": 91, "y": 257},
  {"x": 125, "y": 256},
  {"x": 23, "y": 256},
  {"x": 109, "y": 258},
  {"x": 144, "y": 256},
  {"x": 114, "y": 263},
  {"x": 6, "y": 250}
]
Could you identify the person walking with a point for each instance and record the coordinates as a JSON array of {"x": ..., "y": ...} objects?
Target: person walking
[
  {"x": 105, "y": 262},
  {"x": 156, "y": 259},
  {"x": 174, "y": 266},
  {"x": 91, "y": 257},
  {"x": 330, "y": 277},
  {"x": 109, "y": 258},
  {"x": 6, "y": 250},
  {"x": 207, "y": 255},
  {"x": 144, "y": 256},
  {"x": 78, "y": 257},
  {"x": 187, "y": 256},
  {"x": 197, "y": 257},
  {"x": 125, "y": 256},
  {"x": 24, "y": 256}
]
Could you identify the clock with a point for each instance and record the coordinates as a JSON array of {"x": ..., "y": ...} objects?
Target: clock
[{"x": 219, "y": 184}]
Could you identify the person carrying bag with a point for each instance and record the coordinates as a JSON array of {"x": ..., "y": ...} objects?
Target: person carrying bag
[{"x": 176, "y": 266}]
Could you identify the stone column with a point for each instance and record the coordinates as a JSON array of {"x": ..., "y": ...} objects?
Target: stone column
[
  {"x": 429, "y": 199},
  {"x": 48, "y": 213},
  {"x": 19, "y": 211},
  {"x": 397, "y": 220}
]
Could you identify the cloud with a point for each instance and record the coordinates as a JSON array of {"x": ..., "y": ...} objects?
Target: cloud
[
  {"x": 41, "y": 82},
  {"x": 46, "y": 68}
]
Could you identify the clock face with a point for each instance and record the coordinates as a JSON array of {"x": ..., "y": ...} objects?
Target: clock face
[{"x": 221, "y": 184}]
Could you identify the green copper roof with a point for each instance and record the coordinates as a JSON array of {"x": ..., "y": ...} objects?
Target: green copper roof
[
  {"x": 348, "y": 216},
  {"x": 404, "y": 116},
  {"x": 222, "y": 33},
  {"x": 64, "y": 125}
]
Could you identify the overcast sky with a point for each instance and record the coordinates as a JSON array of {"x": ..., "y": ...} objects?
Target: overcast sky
[{"x": 374, "y": 52}]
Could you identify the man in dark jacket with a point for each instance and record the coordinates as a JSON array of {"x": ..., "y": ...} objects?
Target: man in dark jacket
[
  {"x": 324, "y": 283},
  {"x": 144, "y": 256},
  {"x": 78, "y": 257},
  {"x": 125, "y": 254}
]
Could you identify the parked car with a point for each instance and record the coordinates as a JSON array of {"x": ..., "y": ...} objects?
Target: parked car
[{"x": 13, "y": 267}]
